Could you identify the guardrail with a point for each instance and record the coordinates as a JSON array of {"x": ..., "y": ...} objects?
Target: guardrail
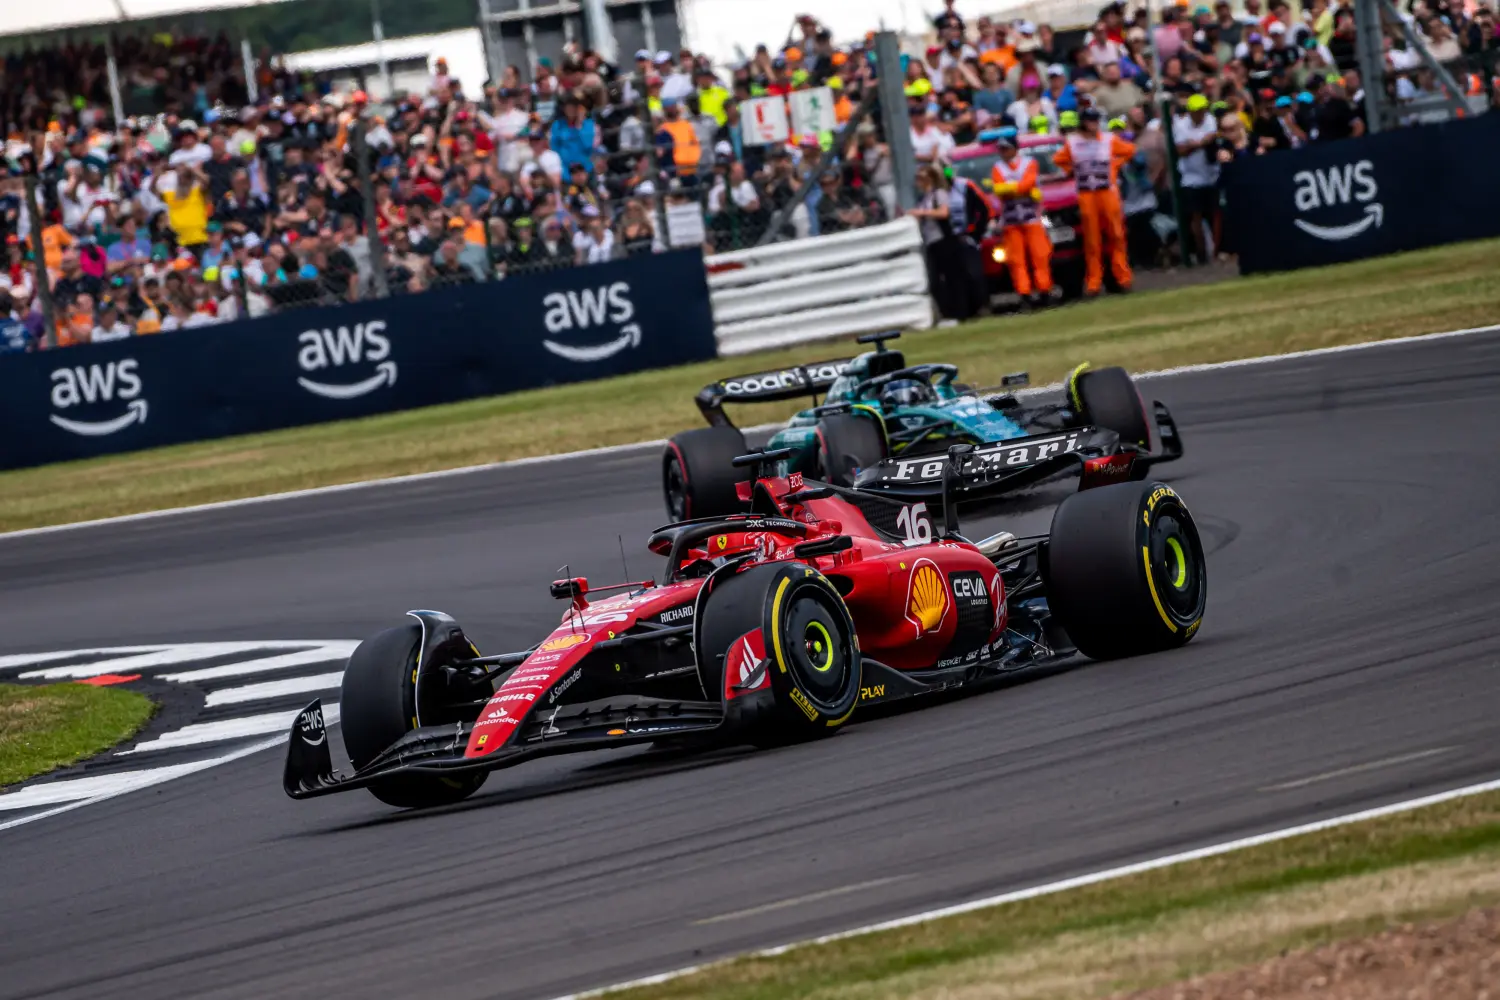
[{"x": 814, "y": 289}]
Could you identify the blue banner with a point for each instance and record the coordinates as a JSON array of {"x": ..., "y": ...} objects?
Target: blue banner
[
  {"x": 1355, "y": 198},
  {"x": 306, "y": 366}
]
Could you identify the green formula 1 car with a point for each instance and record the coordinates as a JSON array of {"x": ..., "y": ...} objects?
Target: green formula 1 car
[{"x": 877, "y": 407}]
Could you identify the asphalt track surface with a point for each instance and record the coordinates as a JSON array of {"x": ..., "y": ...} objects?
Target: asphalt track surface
[{"x": 1348, "y": 659}]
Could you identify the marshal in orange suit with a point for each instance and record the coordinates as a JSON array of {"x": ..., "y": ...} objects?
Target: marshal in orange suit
[
  {"x": 1028, "y": 250},
  {"x": 1095, "y": 157}
]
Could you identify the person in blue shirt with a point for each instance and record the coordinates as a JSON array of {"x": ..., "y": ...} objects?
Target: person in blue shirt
[
  {"x": 573, "y": 136},
  {"x": 14, "y": 336},
  {"x": 992, "y": 99},
  {"x": 1064, "y": 95}
]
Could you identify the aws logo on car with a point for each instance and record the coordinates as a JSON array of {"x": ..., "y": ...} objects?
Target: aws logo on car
[
  {"x": 587, "y": 310},
  {"x": 327, "y": 353},
  {"x": 1351, "y": 183},
  {"x": 97, "y": 388}
]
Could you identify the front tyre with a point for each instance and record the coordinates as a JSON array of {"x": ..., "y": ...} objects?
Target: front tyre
[
  {"x": 377, "y": 706},
  {"x": 698, "y": 473},
  {"x": 812, "y": 664},
  {"x": 1125, "y": 570},
  {"x": 846, "y": 445}
]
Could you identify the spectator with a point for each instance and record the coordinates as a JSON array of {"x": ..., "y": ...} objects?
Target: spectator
[
  {"x": 1114, "y": 95},
  {"x": 594, "y": 243},
  {"x": 637, "y": 235},
  {"x": 1033, "y": 108},
  {"x": 186, "y": 201},
  {"x": 1194, "y": 135},
  {"x": 111, "y": 324}
]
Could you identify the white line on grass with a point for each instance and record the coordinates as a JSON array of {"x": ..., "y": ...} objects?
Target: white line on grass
[
  {"x": 1052, "y": 888},
  {"x": 616, "y": 449}
]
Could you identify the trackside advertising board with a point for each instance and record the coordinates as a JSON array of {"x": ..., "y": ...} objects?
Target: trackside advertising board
[
  {"x": 1378, "y": 194},
  {"x": 311, "y": 365}
]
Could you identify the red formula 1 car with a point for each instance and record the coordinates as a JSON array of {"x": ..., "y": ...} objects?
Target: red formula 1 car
[{"x": 778, "y": 625}]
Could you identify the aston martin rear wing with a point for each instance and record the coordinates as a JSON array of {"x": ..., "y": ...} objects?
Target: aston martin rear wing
[{"x": 768, "y": 387}]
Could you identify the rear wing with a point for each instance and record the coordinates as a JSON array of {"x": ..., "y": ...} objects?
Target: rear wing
[
  {"x": 993, "y": 470},
  {"x": 769, "y": 387}
]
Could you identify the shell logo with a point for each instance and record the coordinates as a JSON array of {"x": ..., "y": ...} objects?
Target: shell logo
[
  {"x": 927, "y": 600},
  {"x": 561, "y": 642}
]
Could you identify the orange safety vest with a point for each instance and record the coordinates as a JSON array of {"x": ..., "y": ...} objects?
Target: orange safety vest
[
  {"x": 1021, "y": 208},
  {"x": 685, "y": 149}
]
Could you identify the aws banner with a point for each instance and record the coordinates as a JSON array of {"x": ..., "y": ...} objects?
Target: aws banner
[
  {"x": 304, "y": 366},
  {"x": 1378, "y": 194}
]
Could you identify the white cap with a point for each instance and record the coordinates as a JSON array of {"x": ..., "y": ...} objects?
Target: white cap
[
  {"x": 723, "y": 148},
  {"x": 642, "y": 54},
  {"x": 663, "y": 57},
  {"x": 1277, "y": 28},
  {"x": 1026, "y": 27},
  {"x": 1057, "y": 69}
]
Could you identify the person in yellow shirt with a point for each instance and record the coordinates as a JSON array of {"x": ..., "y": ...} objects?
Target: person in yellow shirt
[{"x": 187, "y": 203}]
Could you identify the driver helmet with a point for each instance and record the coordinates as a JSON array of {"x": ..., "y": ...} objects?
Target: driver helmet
[{"x": 907, "y": 392}]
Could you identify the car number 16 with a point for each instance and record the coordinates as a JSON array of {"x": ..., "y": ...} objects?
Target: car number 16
[{"x": 914, "y": 524}]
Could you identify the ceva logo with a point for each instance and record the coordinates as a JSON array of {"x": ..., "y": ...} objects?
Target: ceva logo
[
  {"x": 592, "y": 307},
  {"x": 1338, "y": 186},
  {"x": 324, "y": 349},
  {"x": 80, "y": 386}
]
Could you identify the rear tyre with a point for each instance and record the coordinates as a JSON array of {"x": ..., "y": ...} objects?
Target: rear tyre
[
  {"x": 1125, "y": 570},
  {"x": 813, "y": 661},
  {"x": 847, "y": 444},
  {"x": 1107, "y": 397},
  {"x": 377, "y": 707},
  {"x": 698, "y": 473}
]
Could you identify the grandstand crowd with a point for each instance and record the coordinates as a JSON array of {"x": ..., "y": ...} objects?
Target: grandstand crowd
[{"x": 203, "y": 205}]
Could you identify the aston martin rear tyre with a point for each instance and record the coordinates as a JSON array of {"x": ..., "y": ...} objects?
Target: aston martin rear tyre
[
  {"x": 698, "y": 473},
  {"x": 377, "y": 706},
  {"x": 846, "y": 444},
  {"x": 1125, "y": 572},
  {"x": 1108, "y": 398}
]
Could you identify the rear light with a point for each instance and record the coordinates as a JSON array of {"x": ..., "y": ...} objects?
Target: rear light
[{"x": 1106, "y": 469}]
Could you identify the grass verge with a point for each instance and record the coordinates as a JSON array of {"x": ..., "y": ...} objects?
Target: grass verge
[
  {"x": 1446, "y": 288},
  {"x": 1154, "y": 928},
  {"x": 42, "y": 728}
]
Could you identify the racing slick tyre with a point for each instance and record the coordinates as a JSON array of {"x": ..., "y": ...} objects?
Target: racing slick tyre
[
  {"x": 377, "y": 706},
  {"x": 1125, "y": 571},
  {"x": 1108, "y": 398},
  {"x": 847, "y": 444},
  {"x": 698, "y": 473},
  {"x": 810, "y": 662}
]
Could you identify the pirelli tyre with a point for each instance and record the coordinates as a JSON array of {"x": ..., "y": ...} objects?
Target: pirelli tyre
[
  {"x": 377, "y": 706},
  {"x": 811, "y": 663},
  {"x": 848, "y": 443},
  {"x": 1124, "y": 570},
  {"x": 1108, "y": 398},
  {"x": 698, "y": 473}
]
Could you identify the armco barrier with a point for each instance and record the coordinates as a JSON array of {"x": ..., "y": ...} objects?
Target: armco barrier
[
  {"x": 1378, "y": 194},
  {"x": 827, "y": 286},
  {"x": 312, "y": 365}
]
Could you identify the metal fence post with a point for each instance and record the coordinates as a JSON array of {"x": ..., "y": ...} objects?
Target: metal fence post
[
  {"x": 1164, "y": 108},
  {"x": 1369, "y": 47},
  {"x": 39, "y": 260},
  {"x": 893, "y": 115},
  {"x": 659, "y": 182},
  {"x": 367, "y": 197}
]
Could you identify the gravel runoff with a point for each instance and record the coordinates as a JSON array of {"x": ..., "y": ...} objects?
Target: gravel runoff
[{"x": 1454, "y": 960}]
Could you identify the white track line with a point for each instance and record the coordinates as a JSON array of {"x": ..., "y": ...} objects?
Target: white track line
[
  {"x": 1079, "y": 882},
  {"x": 274, "y": 689},
  {"x": 103, "y": 790},
  {"x": 226, "y": 729},
  {"x": 616, "y": 449},
  {"x": 327, "y": 652},
  {"x": 1373, "y": 765},
  {"x": 187, "y": 652}
]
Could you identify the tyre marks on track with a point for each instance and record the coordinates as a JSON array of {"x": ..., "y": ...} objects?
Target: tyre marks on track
[{"x": 220, "y": 701}]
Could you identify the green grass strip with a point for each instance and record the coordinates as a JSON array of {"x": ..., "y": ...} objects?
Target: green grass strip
[{"x": 43, "y": 728}]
